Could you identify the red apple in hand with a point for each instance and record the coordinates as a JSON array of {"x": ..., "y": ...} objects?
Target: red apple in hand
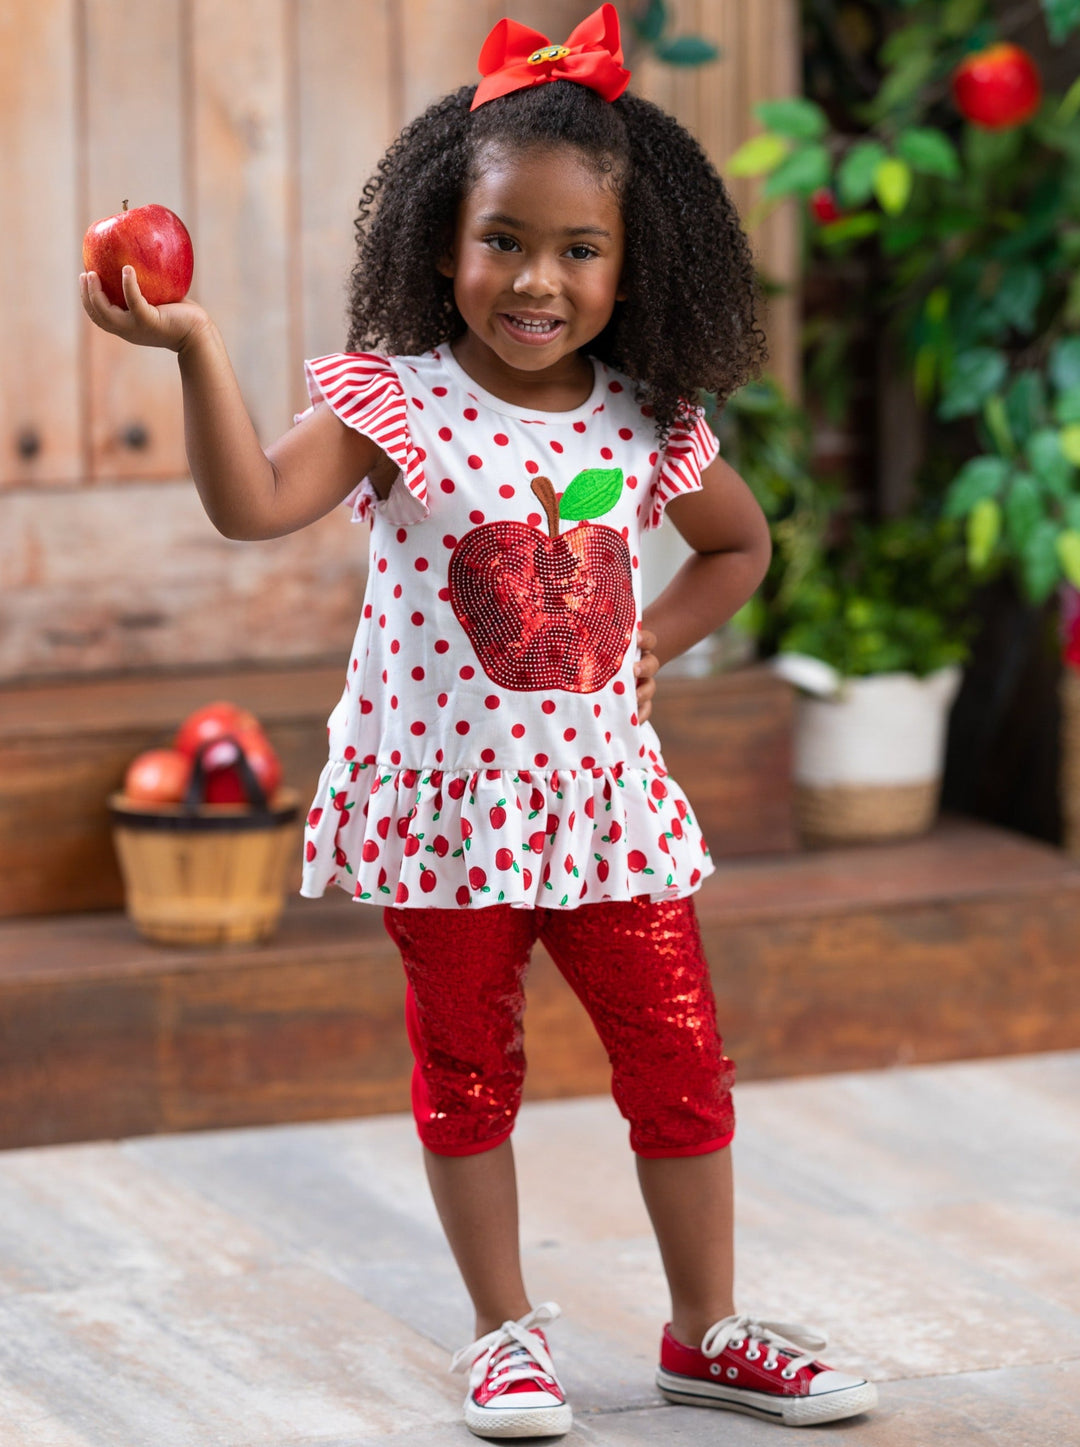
[{"x": 154, "y": 241}]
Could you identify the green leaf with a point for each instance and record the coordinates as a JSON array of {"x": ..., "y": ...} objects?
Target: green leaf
[
  {"x": 850, "y": 228},
  {"x": 1049, "y": 462},
  {"x": 904, "y": 80},
  {"x": 1039, "y": 566},
  {"x": 1068, "y": 551},
  {"x": 855, "y": 175},
  {"x": 983, "y": 531},
  {"x": 793, "y": 116},
  {"x": 1017, "y": 295},
  {"x": 592, "y": 493},
  {"x": 958, "y": 16},
  {"x": 977, "y": 480},
  {"x": 1070, "y": 443},
  {"x": 800, "y": 174},
  {"x": 651, "y": 24},
  {"x": 930, "y": 151},
  {"x": 973, "y": 376},
  {"x": 997, "y": 419},
  {"x": 1065, "y": 363},
  {"x": 687, "y": 50},
  {"x": 1070, "y": 104},
  {"x": 1062, "y": 17},
  {"x": 758, "y": 156},
  {"x": 892, "y": 184},
  {"x": 1067, "y": 406},
  {"x": 1023, "y": 510},
  {"x": 1025, "y": 404}
]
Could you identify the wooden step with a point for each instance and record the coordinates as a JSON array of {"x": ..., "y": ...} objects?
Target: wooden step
[
  {"x": 64, "y": 748},
  {"x": 962, "y": 944}
]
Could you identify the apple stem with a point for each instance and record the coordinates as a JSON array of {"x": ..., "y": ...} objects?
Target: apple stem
[
  {"x": 549, "y": 502},
  {"x": 125, "y": 205}
]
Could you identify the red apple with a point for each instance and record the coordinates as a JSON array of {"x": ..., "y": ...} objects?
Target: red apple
[
  {"x": 823, "y": 205},
  {"x": 554, "y": 611},
  {"x": 154, "y": 241},
  {"x": 998, "y": 87},
  {"x": 158, "y": 776},
  {"x": 212, "y": 721},
  {"x": 224, "y": 784}
]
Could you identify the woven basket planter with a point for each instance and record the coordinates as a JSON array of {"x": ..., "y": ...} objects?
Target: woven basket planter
[{"x": 868, "y": 762}]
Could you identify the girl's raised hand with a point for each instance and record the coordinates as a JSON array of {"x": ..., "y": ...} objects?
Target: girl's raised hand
[
  {"x": 645, "y": 669},
  {"x": 170, "y": 326}
]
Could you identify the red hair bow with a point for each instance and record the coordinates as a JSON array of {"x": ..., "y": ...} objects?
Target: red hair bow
[{"x": 515, "y": 57}]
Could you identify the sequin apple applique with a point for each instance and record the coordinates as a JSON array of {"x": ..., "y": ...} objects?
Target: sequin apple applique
[{"x": 552, "y": 610}]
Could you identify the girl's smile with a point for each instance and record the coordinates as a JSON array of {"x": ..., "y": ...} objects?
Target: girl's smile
[{"x": 536, "y": 262}]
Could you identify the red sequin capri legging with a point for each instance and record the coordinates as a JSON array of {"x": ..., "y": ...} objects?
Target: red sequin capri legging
[{"x": 638, "y": 968}]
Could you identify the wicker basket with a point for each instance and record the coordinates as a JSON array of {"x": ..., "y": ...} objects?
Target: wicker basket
[
  {"x": 206, "y": 874},
  {"x": 1070, "y": 759},
  {"x": 862, "y": 813}
]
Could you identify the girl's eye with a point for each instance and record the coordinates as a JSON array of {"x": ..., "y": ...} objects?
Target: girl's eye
[
  {"x": 581, "y": 252},
  {"x": 501, "y": 243}
]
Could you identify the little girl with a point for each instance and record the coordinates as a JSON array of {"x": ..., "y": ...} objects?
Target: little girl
[{"x": 549, "y": 272}]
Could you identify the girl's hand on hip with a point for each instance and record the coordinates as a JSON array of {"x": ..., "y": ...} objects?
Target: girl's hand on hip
[
  {"x": 645, "y": 669},
  {"x": 172, "y": 325}
]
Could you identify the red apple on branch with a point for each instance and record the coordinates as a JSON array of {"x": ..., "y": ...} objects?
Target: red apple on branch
[
  {"x": 154, "y": 241},
  {"x": 554, "y": 611},
  {"x": 998, "y": 87}
]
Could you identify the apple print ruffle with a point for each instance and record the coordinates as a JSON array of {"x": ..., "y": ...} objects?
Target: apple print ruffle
[{"x": 453, "y": 840}]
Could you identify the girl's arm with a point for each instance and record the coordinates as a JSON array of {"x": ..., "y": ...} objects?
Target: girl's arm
[
  {"x": 247, "y": 492},
  {"x": 730, "y": 537}
]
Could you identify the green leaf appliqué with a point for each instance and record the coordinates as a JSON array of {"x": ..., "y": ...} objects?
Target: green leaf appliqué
[{"x": 592, "y": 493}]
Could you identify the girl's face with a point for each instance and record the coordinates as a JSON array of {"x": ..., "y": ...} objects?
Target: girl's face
[{"x": 536, "y": 262}]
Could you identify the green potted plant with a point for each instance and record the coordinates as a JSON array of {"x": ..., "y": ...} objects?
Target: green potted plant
[{"x": 867, "y": 618}]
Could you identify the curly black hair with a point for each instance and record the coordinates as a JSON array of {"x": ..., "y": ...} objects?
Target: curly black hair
[{"x": 689, "y": 322}]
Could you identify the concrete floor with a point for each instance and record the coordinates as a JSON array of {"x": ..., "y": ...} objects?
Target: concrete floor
[{"x": 288, "y": 1286}]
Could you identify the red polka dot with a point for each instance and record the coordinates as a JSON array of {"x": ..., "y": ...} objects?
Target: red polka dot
[
  {"x": 446, "y": 485},
  {"x": 439, "y": 391},
  {"x": 366, "y": 705},
  {"x": 579, "y": 426},
  {"x": 652, "y": 458},
  {"x": 393, "y": 700},
  {"x": 418, "y": 618},
  {"x": 382, "y": 620},
  {"x": 467, "y": 671},
  {"x": 475, "y": 462},
  {"x": 382, "y": 565},
  {"x": 418, "y": 673},
  {"x": 633, "y": 718},
  {"x": 462, "y": 726},
  {"x": 449, "y": 541},
  {"x": 401, "y": 535},
  {"x": 491, "y": 701},
  {"x": 488, "y": 755},
  {"x": 444, "y": 595},
  {"x": 470, "y": 414},
  {"x": 625, "y": 531},
  {"x": 634, "y": 561},
  {"x": 556, "y": 446},
  {"x": 588, "y": 762},
  {"x": 395, "y": 645},
  {"x": 441, "y": 645},
  {"x": 445, "y": 434},
  {"x": 506, "y": 490},
  {"x": 518, "y": 730},
  {"x": 397, "y": 590},
  {"x": 395, "y": 757},
  {"x": 367, "y": 610},
  {"x": 569, "y": 734},
  {"x": 531, "y": 466},
  {"x": 626, "y": 433},
  {"x": 548, "y": 705},
  {"x": 444, "y": 699},
  {"x": 540, "y": 760},
  {"x": 417, "y": 402},
  {"x": 417, "y": 727},
  {"x": 500, "y": 439},
  {"x": 421, "y": 565},
  {"x": 631, "y": 482},
  {"x": 615, "y": 386},
  {"x": 618, "y": 686},
  {"x": 476, "y": 516},
  {"x": 606, "y": 453}
]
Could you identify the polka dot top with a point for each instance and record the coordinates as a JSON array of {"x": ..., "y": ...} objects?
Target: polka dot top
[{"x": 486, "y": 747}]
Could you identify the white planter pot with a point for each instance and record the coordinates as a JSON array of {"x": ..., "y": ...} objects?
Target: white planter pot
[{"x": 869, "y": 757}]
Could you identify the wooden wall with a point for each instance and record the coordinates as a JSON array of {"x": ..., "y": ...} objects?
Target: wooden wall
[{"x": 257, "y": 121}]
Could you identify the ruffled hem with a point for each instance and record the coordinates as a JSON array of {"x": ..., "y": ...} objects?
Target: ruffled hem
[{"x": 465, "y": 840}]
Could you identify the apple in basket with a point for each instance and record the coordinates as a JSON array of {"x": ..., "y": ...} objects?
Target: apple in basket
[
  {"x": 154, "y": 241},
  {"x": 223, "y": 731},
  {"x": 158, "y": 776}
]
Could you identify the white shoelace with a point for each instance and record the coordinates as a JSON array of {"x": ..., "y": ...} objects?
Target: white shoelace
[
  {"x": 511, "y": 1352},
  {"x": 778, "y": 1336}
]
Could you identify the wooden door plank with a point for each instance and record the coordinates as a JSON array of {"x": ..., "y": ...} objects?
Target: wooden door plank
[
  {"x": 133, "y": 141},
  {"x": 241, "y": 101},
  {"x": 41, "y": 405},
  {"x": 442, "y": 39},
  {"x": 347, "y": 107}
]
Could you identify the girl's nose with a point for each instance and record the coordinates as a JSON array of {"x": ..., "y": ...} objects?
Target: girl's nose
[{"x": 537, "y": 278}]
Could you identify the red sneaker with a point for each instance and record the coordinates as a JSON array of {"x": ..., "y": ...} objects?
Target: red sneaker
[
  {"x": 513, "y": 1389},
  {"x": 763, "y": 1368}
]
